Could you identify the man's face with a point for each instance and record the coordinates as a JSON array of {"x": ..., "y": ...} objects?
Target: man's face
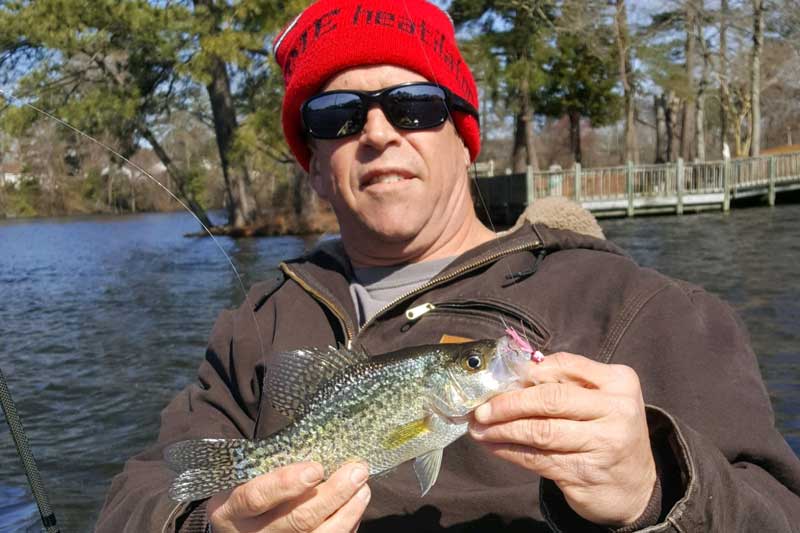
[{"x": 401, "y": 188}]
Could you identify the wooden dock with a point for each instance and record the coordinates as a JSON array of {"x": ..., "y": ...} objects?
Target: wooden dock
[{"x": 644, "y": 189}]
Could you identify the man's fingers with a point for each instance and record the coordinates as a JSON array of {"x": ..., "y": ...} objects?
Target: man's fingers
[
  {"x": 270, "y": 490},
  {"x": 349, "y": 515},
  {"x": 565, "y": 367},
  {"x": 552, "y": 465},
  {"x": 541, "y": 433},
  {"x": 554, "y": 400},
  {"x": 327, "y": 499}
]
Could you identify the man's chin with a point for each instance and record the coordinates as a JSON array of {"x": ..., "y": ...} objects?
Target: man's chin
[
  {"x": 393, "y": 234},
  {"x": 397, "y": 233}
]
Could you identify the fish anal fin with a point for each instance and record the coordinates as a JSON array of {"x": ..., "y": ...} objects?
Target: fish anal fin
[
  {"x": 406, "y": 433},
  {"x": 427, "y": 467}
]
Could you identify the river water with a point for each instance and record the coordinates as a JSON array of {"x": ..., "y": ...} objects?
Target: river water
[{"x": 103, "y": 320}]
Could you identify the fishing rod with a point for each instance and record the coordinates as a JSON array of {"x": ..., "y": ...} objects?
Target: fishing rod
[
  {"x": 12, "y": 417},
  {"x": 26, "y": 456},
  {"x": 9, "y": 408}
]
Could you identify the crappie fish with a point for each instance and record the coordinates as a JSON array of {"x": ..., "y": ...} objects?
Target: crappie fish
[{"x": 383, "y": 410}]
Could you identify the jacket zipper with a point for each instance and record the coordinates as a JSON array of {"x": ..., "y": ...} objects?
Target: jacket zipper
[
  {"x": 338, "y": 313},
  {"x": 492, "y": 310},
  {"x": 448, "y": 277}
]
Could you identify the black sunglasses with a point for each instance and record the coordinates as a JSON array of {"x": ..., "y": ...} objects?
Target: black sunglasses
[{"x": 409, "y": 106}]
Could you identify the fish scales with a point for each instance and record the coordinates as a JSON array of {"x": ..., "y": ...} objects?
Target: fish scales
[
  {"x": 382, "y": 410},
  {"x": 351, "y": 415}
]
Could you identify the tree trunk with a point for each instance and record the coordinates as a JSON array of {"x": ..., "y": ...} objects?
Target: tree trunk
[
  {"x": 660, "y": 104},
  {"x": 737, "y": 139},
  {"x": 133, "y": 195},
  {"x": 575, "y": 135},
  {"x": 699, "y": 126},
  {"x": 755, "y": 78},
  {"x": 183, "y": 191},
  {"x": 519, "y": 158},
  {"x": 700, "y": 103},
  {"x": 110, "y": 189},
  {"x": 623, "y": 51},
  {"x": 687, "y": 119},
  {"x": 672, "y": 109},
  {"x": 723, "y": 71},
  {"x": 699, "y": 129},
  {"x": 241, "y": 203},
  {"x": 524, "y": 151},
  {"x": 304, "y": 200}
]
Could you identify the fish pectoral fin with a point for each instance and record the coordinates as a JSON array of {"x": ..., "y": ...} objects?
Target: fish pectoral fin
[
  {"x": 406, "y": 433},
  {"x": 427, "y": 469}
]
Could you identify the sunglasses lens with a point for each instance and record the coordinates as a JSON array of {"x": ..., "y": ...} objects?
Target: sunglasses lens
[
  {"x": 334, "y": 115},
  {"x": 416, "y": 107},
  {"x": 340, "y": 113}
]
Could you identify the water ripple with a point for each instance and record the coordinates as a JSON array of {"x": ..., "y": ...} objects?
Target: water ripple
[{"x": 103, "y": 320}]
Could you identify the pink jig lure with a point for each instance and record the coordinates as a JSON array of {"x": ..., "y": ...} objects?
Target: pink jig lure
[{"x": 524, "y": 345}]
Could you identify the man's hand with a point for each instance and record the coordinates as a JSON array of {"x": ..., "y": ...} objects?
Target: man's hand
[
  {"x": 583, "y": 426},
  {"x": 293, "y": 499}
]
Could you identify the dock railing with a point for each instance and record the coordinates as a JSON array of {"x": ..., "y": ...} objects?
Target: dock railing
[{"x": 632, "y": 189}]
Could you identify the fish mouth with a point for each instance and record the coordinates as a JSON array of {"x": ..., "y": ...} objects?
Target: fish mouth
[{"x": 508, "y": 367}]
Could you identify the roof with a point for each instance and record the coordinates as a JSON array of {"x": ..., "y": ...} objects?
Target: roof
[{"x": 10, "y": 168}]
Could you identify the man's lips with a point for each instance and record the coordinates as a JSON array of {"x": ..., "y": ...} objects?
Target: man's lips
[{"x": 385, "y": 176}]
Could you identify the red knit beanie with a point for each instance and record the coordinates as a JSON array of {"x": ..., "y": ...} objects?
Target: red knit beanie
[{"x": 334, "y": 35}]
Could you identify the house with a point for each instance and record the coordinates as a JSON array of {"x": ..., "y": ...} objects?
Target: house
[{"x": 10, "y": 173}]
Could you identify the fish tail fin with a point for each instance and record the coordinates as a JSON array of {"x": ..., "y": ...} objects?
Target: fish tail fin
[{"x": 208, "y": 466}]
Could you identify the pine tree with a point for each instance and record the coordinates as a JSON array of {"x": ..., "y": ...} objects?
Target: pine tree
[{"x": 581, "y": 82}]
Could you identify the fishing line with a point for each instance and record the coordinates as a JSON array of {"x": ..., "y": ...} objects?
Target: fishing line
[
  {"x": 135, "y": 166},
  {"x": 17, "y": 431}
]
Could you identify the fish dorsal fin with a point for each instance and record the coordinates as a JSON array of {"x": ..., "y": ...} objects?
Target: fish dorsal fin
[
  {"x": 293, "y": 377},
  {"x": 427, "y": 468}
]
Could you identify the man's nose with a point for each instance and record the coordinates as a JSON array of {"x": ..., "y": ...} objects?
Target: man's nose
[{"x": 378, "y": 132}]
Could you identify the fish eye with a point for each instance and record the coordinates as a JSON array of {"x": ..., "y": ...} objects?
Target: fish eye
[{"x": 473, "y": 362}]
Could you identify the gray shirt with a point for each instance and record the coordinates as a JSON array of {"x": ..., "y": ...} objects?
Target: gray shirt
[{"x": 376, "y": 287}]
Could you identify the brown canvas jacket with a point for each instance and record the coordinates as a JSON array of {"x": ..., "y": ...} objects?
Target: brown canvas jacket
[{"x": 722, "y": 464}]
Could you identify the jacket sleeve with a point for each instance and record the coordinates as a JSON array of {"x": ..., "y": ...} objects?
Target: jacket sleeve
[
  {"x": 723, "y": 464},
  {"x": 222, "y": 403}
]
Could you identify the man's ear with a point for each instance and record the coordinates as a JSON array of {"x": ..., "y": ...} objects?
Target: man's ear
[{"x": 315, "y": 176}]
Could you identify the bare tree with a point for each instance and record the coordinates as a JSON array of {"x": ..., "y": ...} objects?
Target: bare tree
[
  {"x": 702, "y": 86},
  {"x": 524, "y": 150},
  {"x": 660, "y": 105},
  {"x": 722, "y": 70},
  {"x": 755, "y": 76},
  {"x": 671, "y": 111},
  {"x": 625, "y": 76},
  {"x": 688, "y": 109}
]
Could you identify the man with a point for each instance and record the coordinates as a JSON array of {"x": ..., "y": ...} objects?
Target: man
[{"x": 649, "y": 410}]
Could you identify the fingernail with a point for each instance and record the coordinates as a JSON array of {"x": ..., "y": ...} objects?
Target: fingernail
[
  {"x": 483, "y": 412},
  {"x": 364, "y": 493},
  {"x": 359, "y": 475},
  {"x": 311, "y": 475}
]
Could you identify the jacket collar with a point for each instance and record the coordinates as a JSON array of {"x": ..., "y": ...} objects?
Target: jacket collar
[{"x": 325, "y": 271}]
